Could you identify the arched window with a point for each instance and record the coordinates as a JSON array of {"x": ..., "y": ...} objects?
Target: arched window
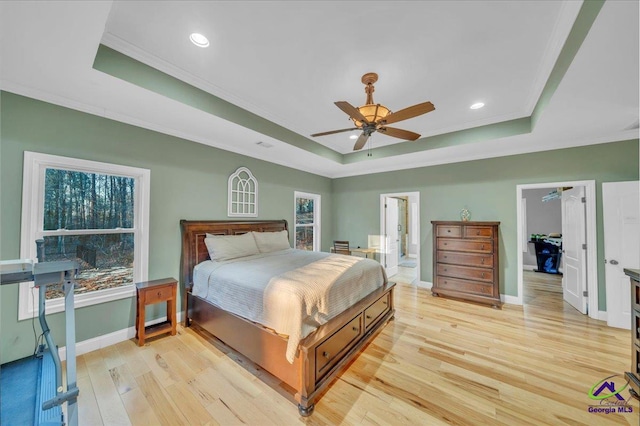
[{"x": 243, "y": 194}]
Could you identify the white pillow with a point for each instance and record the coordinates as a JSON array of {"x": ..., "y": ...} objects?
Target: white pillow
[
  {"x": 226, "y": 247},
  {"x": 272, "y": 241}
]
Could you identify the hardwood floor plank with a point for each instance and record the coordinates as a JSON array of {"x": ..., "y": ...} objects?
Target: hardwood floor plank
[{"x": 441, "y": 361}]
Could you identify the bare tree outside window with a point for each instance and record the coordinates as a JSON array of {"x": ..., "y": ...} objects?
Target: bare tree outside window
[{"x": 88, "y": 217}]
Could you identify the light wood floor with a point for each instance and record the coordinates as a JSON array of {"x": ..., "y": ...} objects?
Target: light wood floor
[{"x": 439, "y": 362}]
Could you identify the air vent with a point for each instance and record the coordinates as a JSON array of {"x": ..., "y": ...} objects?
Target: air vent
[{"x": 264, "y": 144}]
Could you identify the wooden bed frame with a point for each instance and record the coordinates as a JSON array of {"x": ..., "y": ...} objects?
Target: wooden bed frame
[{"x": 322, "y": 355}]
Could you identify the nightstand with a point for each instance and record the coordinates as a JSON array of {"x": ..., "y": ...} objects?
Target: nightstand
[{"x": 149, "y": 293}]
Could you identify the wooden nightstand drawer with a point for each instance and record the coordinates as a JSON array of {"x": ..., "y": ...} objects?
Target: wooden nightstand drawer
[
  {"x": 159, "y": 294},
  {"x": 448, "y": 231}
]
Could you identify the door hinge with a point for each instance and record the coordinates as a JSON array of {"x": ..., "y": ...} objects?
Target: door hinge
[
  {"x": 585, "y": 293},
  {"x": 584, "y": 199},
  {"x": 584, "y": 246}
]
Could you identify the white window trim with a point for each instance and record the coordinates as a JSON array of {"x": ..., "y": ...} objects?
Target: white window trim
[
  {"x": 35, "y": 165},
  {"x": 316, "y": 217}
]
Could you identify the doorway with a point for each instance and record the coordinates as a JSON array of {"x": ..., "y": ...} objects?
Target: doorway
[
  {"x": 399, "y": 236},
  {"x": 579, "y": 262}
]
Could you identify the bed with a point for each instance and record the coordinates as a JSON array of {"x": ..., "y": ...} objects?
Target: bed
[{"x": 320, "y": 357}]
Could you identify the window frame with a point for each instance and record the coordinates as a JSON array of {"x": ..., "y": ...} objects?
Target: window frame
[
  {"x": 35, "y": 165},
  {"x": 316, "y": 225}
]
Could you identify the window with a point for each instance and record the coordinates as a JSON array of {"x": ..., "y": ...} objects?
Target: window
[
  {"x": 93, "y": 213},
  {"x": 307, "y": 221}
]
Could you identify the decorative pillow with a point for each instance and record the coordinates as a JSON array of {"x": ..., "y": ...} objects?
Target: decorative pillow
[
  {"x": 226, "y": 247},
  {"x": 272, "y": 241}
]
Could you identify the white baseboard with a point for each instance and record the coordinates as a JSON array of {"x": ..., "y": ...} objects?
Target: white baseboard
[
  {"x": 529, "y": 267},
  {"x": 602, "y": 315},
  {"x": 109, "y": 339},
  {"x": 511, "y": 300},
  {"x": 423, "y": 284}
]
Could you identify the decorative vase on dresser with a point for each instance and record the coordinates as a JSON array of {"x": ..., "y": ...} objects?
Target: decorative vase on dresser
[{"x": 465, "y": 261}]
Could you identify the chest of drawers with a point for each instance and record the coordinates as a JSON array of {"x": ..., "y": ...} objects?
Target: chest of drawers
[
  {"x": 465, "y": 261},
  {"x": 633, "y": 376}
]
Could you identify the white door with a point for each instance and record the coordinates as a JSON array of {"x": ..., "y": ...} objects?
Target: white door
[
  {"x": 392, "y": 240},
  {"x": 621, "y": 217},
  {"x": 574, "y": 279}
]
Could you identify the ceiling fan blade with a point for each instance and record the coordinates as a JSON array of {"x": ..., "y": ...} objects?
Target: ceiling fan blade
[
  {"x": 362, "y": 140},
  {"x": 351, "y": 111},
  {"x": 334, "y": 131},
  {"x": 409, "y": 112},
  {"x": 399, "y": 133}
]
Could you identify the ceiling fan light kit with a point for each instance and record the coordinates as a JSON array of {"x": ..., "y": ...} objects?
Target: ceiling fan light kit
[{"x": 372, "y": 117}]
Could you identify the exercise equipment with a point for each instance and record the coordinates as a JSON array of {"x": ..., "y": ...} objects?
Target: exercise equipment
[{"x": 51, "y": 394}]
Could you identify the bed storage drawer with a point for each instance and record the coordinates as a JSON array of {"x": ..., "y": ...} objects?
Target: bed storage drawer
[
  {"x": 375, "y": 311},
  {"x": 330, "y": 351}
]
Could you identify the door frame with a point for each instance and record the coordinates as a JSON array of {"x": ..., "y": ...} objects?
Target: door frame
[
  {"x": 415, "y": 194},
  {"x": 592, "y": 240}
]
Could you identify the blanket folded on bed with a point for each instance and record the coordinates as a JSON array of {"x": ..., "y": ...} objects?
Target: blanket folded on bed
[{"x": 291, "y": 291}]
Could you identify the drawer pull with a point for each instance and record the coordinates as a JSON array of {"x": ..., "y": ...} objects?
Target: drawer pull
[
  {"x": 445, "y": 244},
  {"x": 448, "y": 230},
  {"x": 356, "y": 329},
  {"x": 477, "y": 232},
  {"x": 482, "y": 261},
  {"x": 483, "y": 275},
  {"x": 325, "y": 354},
  {"x": 159, "y": 294},
  {"x": 384, "y": 302},
  {"x": 368, "y": 316},
  {"x": 482, "y": 248}
]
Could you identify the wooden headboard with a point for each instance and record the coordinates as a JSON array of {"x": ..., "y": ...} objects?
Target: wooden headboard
[{"x": 195, "y": 251}]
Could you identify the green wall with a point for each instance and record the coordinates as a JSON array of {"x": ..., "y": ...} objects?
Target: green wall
[
  {"x": 488, "y": 189},
  {"x": 188, "y": 181}
]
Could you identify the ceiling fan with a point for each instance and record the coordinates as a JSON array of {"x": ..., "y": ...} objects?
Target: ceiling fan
[{"x": 373, "y": 117}]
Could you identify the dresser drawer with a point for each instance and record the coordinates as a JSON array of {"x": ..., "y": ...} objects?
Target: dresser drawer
[
  {"x": 465, "y": 245},
  {"x": 478, "y": 232},
  {"x": 159, "y": 294},
  {"x": 375, "y": 311},
  {"x": 635, "y": 295},
  {"x": 469, "y": 259},
  {"x": 635, "y": 326},
  {"x": 635, "y": 366},
  {"x": 448, "y": 231},
  {"x": 331, "y": 350},
  {"x": 463, "y": 286},
  {"x": 465, "y": 272}
]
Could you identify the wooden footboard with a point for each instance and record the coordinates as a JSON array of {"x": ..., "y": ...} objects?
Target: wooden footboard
[{"x": 321, "y": 356}]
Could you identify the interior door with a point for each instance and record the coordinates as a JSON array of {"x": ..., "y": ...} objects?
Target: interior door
[
  {"x": 392, "y": 240},
  {"x": 621, "y": 216},
  {"x": 574, "y": 236}
]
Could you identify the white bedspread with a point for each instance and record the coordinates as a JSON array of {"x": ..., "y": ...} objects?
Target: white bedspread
[{"x": 290, "y": 291}]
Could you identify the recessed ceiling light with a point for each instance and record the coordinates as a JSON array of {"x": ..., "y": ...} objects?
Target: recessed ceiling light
[
  {"x": 199, "y": 40},
  {"x": 353, "y": 137},
  {"x": 477, "y": 105}
]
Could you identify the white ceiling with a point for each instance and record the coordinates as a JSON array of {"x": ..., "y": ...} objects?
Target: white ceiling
[{"x": 289, "y": 61}]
